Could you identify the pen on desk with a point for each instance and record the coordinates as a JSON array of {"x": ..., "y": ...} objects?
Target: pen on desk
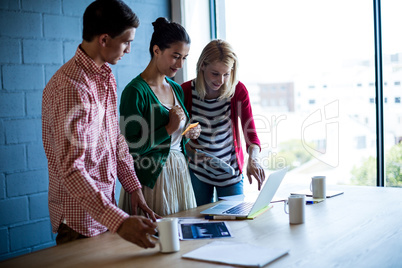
[
  {"x": 217, "y": 217},
  {"x": 310, "y": 202}
]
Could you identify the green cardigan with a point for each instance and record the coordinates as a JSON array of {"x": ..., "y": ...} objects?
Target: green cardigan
[{"x": 142, "y": 122}]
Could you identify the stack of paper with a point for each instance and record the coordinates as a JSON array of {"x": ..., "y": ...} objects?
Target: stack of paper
[{"x": 246, "y": 254}]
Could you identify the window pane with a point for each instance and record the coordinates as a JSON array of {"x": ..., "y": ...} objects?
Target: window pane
[
  {"x": 392, "y": 75},
  {"x": 309, "y": 68}
]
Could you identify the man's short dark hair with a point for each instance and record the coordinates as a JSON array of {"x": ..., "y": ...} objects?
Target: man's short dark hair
[{"x": 110, "y": 17}]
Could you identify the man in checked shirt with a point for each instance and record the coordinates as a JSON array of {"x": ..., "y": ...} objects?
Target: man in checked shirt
[{"x": 81, "y": 135}]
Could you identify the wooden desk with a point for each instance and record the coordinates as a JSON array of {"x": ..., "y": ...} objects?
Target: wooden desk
[{"x": 361, "y": 228}]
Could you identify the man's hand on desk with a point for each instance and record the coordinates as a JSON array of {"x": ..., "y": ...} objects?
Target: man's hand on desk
[
  {"x": 137, "y": 229},
  {"x": 138, "y": 201}
]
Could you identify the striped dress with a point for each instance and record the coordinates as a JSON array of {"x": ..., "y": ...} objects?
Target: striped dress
[{"x": 216, "y": 138}]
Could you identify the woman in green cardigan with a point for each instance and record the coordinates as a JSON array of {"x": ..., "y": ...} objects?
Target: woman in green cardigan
[{"x": 153, "y": 120}]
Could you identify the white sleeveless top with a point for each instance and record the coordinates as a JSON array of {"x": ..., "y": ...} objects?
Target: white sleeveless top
[{"x": 176, "y": 136}]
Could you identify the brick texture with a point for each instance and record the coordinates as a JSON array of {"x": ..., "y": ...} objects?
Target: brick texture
[
  {"x": 10, "y": 50},
  {"x": 22, "y": 130},
  {"x": 25, "y": 183},
  {"x": 45, "y": 6},
  {"x": 36, "y": 157},
  {"x": 12, "y": 158},
  {"x": 20, "y": 24},
  {"x": 13, "y": 210},
  {"x": 3, "y": 240},
  {"x": 59, "y": 26},
  {"x": 33, "y": 102},
  {"x": 29, "y": 235},
  {"x": 43, "y": 51},
  {"x": 23, "y": 77},
  {"x": 2, "y": 186},
  {"x": 11, "y": 105},
  {"x": 9, "y": 4},
  {"x": 38, "y": 206}
]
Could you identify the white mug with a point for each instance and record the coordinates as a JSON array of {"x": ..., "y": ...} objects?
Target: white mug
[
  {"x": 318, "y": 186},
  {"x": 297, "y": 204},
  {"x": 168, "y": 233}
]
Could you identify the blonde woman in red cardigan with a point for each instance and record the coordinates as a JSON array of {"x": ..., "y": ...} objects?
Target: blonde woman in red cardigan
[{"x": 216, "y": 100}]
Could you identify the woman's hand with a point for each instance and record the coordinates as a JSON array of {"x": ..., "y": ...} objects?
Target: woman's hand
[
  {"x": 253, "y": 167},
  {"x": 193, "y": 133},
  {"x": 195, "y": 156},
  {"x": 176, "y": 115}
]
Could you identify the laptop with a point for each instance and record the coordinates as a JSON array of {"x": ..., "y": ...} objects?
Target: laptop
[{"x": 249, "y": 210}]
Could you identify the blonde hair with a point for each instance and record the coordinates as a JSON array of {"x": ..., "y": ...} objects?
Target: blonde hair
[{"x": 217, "y": 51}]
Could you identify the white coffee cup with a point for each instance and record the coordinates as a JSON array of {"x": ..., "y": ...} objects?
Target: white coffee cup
[
  {"x": 168, "y": 233},
  {"x": 318, "y": 186},
  {"x": 297, "y": 204}
]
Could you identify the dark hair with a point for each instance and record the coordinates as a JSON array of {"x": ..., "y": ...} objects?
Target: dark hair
[
  {"x": 167, "y": 33},
  {"x": 110, "y": 17}
]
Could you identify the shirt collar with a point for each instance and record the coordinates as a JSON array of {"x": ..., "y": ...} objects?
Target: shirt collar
[{"x": 89, "y": 64}]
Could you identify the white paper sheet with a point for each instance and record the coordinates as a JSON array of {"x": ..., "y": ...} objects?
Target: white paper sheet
[{"x": 223, "y": 252}]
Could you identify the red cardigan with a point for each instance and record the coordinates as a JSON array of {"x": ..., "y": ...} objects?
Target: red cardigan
[{"x": 240, "y": 107}]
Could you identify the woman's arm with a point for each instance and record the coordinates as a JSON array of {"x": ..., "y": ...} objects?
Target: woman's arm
[
  {"x": 246, "y": 115},
  {"x": 253, "y": 166},
  {"x": 253, "y": 146}
]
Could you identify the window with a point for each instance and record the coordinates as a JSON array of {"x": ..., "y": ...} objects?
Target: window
[
  {"x": 194, "y": 16},
  {"x": 395, "y": 57},
  {"x": 311, "y": 43},
  {"x": 392, "y": 72},
  {"x": 361, "y": 142}
]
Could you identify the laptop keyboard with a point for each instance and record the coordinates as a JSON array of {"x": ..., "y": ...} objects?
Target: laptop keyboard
[{"x": 242, "y": 208}]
